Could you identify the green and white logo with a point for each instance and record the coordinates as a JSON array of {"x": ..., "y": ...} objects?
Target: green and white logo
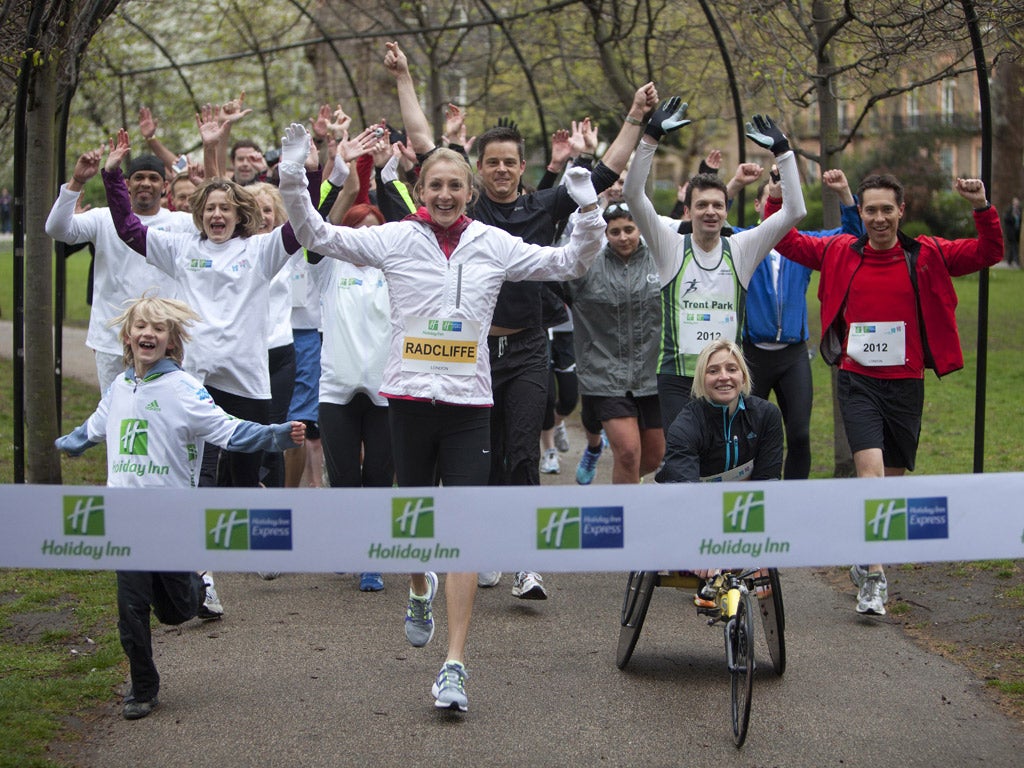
[
  {"x": 885, "y": 519},
  {"x": 83, "y": 516},
  {"x": 558, "y": 528},
  {"x": 227, "y": 529},
  {"x": 134, "y": 437},
  {"x": 743, "y": 512},
  {"x": 412, "y": 518}
]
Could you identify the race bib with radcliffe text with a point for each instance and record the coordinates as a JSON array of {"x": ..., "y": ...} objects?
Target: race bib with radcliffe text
[{"x": 440, "y": 345}]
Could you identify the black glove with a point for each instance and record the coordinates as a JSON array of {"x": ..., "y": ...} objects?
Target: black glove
[
  {"x": 668, "y": 117},
  {"x": 507, "y": 122},
  {"x": 763, "y": 132}
]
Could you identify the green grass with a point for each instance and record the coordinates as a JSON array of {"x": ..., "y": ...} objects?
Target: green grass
[{"x": 76, "y": 310}]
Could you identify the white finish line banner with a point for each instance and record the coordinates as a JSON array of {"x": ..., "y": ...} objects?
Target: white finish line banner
[{"x": 546, "y": 528}]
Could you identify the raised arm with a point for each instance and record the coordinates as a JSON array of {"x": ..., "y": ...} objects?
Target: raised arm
[
  {"x": 129, "y": 227},
  {"x": 617, "y": 155},
  {"x": 417, "y": 127},
  {"x": 148, "y": 128},
  {"x": 60, "y": 223}
]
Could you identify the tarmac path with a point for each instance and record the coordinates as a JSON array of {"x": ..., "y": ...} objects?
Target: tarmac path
[{"x": 306, "y": 671}]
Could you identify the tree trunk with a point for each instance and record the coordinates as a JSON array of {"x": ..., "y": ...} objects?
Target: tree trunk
[
  {"x": 1007, "y": 133},
  {"x": 828, "y": 120},
  {"x": 42, "y": 461}
]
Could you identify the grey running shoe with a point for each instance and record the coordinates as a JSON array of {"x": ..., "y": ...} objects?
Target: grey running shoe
[
  {"x": 857, "y": 575},
  {"x": 870, "y": 599},
  {"x": 136, "y": 710},
  {"x": 419, "y": 616},
  {"x": 550, "y": 465},
  {"x": 449, "y": 690},
  {"x": 488, "y": 578},
  {"x": 211, "y": 607},
  {"x": 562, "y": 438},
  {"x": 528, "y": 585}
]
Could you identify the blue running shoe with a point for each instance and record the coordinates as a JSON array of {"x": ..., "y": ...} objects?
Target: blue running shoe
[
  {"x": 371, "y": 582},
  {"x": 587, "y": 467}
]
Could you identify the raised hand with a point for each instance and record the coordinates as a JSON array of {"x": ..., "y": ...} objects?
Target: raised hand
[
  {"x": 972, "y": 190},
  {"x": 646, "y": 98},
  {"x": 119, "y": 148},
  {"x": 147, "y": 123},
  {"x": 669, "y": 116},
  {"x": 561, "y": 149},
  {"x": 321, "y": 123},
  {"x": 507, "y": 122},
  {"x": 211, "y": 127},
  {"x": 362, "y": 144},
  {"x": 580, "y": 186},
  {"x": 340, "y": 123},
  {"x": 87, "y": 166},
  {"x": 765, "y": 133},
  {"x": 295, "y": 145},
  {"x": 395, "y": 60},
  {"x": 233, "y": 110}
]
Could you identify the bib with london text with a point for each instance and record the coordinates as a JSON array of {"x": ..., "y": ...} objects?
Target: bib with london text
[
  {"x": 440, "y": 345},
  {"x": 873, "y": 344}
]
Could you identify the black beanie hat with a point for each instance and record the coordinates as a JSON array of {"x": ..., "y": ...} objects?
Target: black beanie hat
[{"x": 147, "y": 163}]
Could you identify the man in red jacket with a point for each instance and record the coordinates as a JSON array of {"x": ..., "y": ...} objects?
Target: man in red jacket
[{"x": 888, "y": 313}]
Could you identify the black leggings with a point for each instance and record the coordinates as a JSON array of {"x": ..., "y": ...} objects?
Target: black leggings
[
  {"x": 432, "y": 442},
  {"x": 519, "y": 383},
  {"x": 282, "y": 383},
  {"x": 238, "y": 470},
  {"x": 787, "y": 373},
  {"x": 346, "y": 431}
]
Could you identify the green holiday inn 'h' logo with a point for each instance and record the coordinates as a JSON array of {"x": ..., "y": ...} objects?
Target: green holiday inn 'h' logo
[
  {"x": 412, "y": 518},
  {"x": 743, "y": 512},
  {"x": 83, "y": 516},
  {"x": 134, "y": 437},
  {"x": 227, "y": 529}
]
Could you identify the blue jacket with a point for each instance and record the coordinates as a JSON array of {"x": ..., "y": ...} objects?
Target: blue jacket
[{"x": 780, "y": 315}]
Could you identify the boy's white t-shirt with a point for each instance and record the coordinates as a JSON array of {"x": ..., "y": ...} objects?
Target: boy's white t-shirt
[
  {"x": 119, "y": 273},
  {"x": 155, "y": 429},
  {"x": 228, "y": 285}
]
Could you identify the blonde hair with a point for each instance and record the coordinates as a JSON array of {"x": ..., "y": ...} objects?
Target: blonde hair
[
  {"x": 698, "y": 390},
  {"x": 276, "y": 201},
  {"x": 445, "y": 155},
  {"x": 250, "y": 218},
  {"x": 176, "y": 315}
]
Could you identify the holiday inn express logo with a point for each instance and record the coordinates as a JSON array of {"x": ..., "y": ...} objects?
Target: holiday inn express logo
[
  {"x": 412, "y": 518},
  {"x": 906, "y": 519},
  {"x": 244, "y": 529},
  {"x": 580, "y": 528},
  {"x": 83, "y": 516},
  {"x": 743, "y": 512}
]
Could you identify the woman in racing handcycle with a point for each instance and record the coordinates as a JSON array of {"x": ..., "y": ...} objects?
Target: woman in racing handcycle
[{"x": 723, "y": 433}]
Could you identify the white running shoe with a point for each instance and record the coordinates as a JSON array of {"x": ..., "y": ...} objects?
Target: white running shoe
[
  {"x": 488, "y": 578},
  {"x": 561, "y": 438},
  {"x": 528, "y": 585},
  {"x": 869, "y": 599},
  {"x": 211, "y": 607},
  {"x": 550, "y": 465}
]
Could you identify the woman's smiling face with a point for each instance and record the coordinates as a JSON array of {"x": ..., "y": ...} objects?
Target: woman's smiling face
[
  {"x": 445, "y": 191},
  {"x": 220, "y": 217}
]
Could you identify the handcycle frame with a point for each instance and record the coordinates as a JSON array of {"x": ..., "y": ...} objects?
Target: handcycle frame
[{"x": 735, "y": 596}]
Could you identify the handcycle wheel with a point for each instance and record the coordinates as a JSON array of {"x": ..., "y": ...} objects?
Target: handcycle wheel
[
  {"x": 740, "y": 632},
  {"x": 773, "y": 617},
  {"x": 634, "y": 610}
]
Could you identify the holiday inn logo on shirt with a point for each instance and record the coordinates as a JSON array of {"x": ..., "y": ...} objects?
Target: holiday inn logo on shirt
[
  {"x": 412, "y": 517},
  {"x": 906, "y": 519},
  {"x": 134, "y": 440},
  {"x": 444, "y": 325},
  {"x": 580, "y": 528},
  {"x": 248, "y": 529},
  {"x": 83, "y": 516}
]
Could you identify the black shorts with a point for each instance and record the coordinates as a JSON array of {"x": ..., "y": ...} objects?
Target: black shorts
[
  {"x": 598, "y": 408},
  {"x": 882, "y": 413}
]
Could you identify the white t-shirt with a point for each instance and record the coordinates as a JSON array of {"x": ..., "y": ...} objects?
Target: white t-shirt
[
  {"x": 119, "y": 273},
  {"x": 155, "y": 429},
  {"x": 356, "y": 316},
  {"x": 228, "y": 284}
]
